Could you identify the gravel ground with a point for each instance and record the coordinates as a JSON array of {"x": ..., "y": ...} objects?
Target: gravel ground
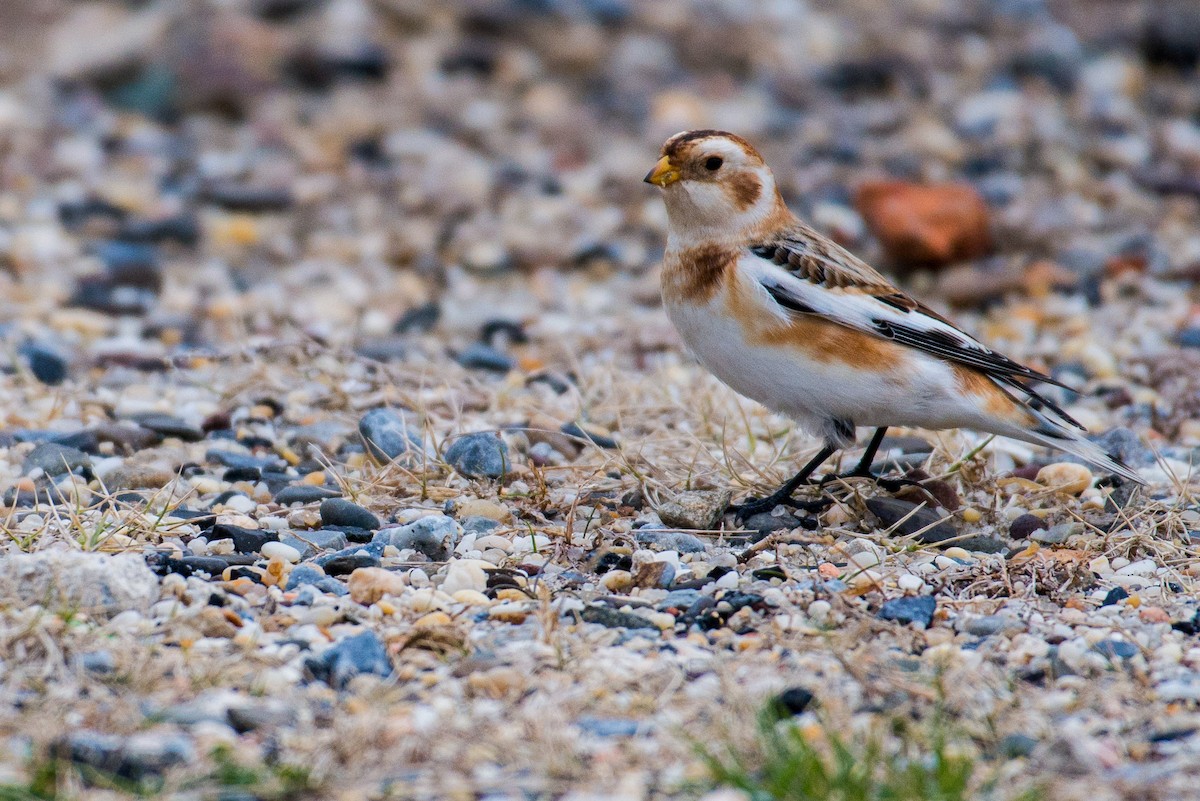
[{"x": 346, "y": 452}]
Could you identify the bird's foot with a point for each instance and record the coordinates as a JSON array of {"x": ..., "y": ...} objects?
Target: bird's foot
[
  {"x": 756, "y": 506},
  {"x": 887, "y": 484}
]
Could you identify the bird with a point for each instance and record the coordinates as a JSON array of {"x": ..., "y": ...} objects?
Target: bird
[{"x": 787, "y": 317}]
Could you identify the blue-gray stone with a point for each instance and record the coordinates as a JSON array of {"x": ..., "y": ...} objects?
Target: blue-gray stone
[
  {"x": 1116, "y": 649},
  {"x": 308, "y": 543},
  {"x": 46, "y": 363},
  {"x": 478, "y": 356},
  {"x": 478, "y": 525},
  {"x": 387, "y": 438},
  {"x": 341, "y": 512},
  {"x": 679, "y": 599},
  {"x": 1124, "y": 444},
  {"x": 347, "y": 560},
  {"x": 55, "y": 459},
  {"x": 607, "y": 727},
  {"x": 479, "y": 455},
  {"x": 435, "y": 536},
  {"x": 670, "y": 540},
  {"x": 916, "y": 609},
  {"x": 304, "y": 493},
  {"x": 361, "y": 654},
  {"x": 306, "y": 575}
]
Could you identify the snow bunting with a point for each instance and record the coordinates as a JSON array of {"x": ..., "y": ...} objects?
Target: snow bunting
[{"x": 791, "y": 319}]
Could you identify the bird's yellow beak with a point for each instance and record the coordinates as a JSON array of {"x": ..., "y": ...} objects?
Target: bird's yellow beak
[{"x": 664, "y": 173}]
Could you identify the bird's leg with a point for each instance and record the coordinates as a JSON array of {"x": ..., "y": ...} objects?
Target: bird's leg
[
  {"x": 783, "y": 495},
  {"x": 863, "y": 468}
]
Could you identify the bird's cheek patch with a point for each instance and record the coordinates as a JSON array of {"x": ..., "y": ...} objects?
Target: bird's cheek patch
[{"x": 745, "y": 190}]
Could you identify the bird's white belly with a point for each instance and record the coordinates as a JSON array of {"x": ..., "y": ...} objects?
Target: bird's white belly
[{"x": 810, "y": 390}]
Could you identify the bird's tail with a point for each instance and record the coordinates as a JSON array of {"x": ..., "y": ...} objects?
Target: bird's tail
[{"x": 1053, "y": 434}]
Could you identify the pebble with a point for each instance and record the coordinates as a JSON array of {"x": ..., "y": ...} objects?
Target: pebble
[
  {"x": 368, "y": 584},
  {"x": 54, "y": 459},
  {"x": 925, "y": 225},
  {"x": 46, "y": 363},
  {"x": 670, "y": 540},
  {"x": 698, "y": 509},
  {"x": 614, "y": 618},
  {"x": 465, "y": 574},
  {"x": 304, "y": 494},
  {"x": 435, "y": 536},
  {"x": 362, "y": 654},
  {"x": 388, "y": 437},
  {"x": 340, "y": 512},
  {"x": 1024, "y": 526},
  {"x": 891, "y": 512},
  {"x": 101, "y": 584},
  {"x": 479, "y": 455},
  {"x": 1056, "y": 535},
  {"x": 279, "y": 550},
  {"x": 1065, "y": 477},
  {"x": 910, "y": 609}
]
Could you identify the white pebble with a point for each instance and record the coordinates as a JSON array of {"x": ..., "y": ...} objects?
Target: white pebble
[
  {"x": 910, "y": 583},
  {"x": 1142, "y": 567},
  {"x": 728, "y": 581},
  {"x": 280, "y": 550},
  {"x": 465, "y": 574}
]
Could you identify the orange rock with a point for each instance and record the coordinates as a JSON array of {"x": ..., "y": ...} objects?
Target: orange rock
[
  {"x": 925, "y": 225},
  {"x": 1154, "y": 614},
  {"x": 828, "y": 570}
]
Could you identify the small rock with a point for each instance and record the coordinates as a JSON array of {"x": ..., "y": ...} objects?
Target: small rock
[
  {"x": 388, "y": 438},
  {"x": 1056, "y": 535},
  {"x": 915, "y": 609},
  {"x": 280, "y": 550},
  {"x": 479, "y": 455},
  {"x": 350, "y": 559},
  {"x": 1015, "y": 746},
  {"x": 171, "y": 426},
  {"x": 614, "y": 618},
  {"x": 933, "y": 527},
  {"x": 369, "y": 584},
  {"x": 304, "y": 494},
  {"x": 478, "y": 356},
  {"x": 1024, "y": 526},
  {"x": 1119, "y": 649},
  {"x": 987, "y": 625},
  {"x": 465, "y": 574},
  {"x": 322, "y": 539},
  {"x": 47, "y": 364},
  {"x": 925, "y": 225},
  {"x": 77, "y": 580},
  {"x": 130, "y": 476},
  {"x": 54, "y": 459},
  {"x": 435, "y": 536},
  {"x": 620, "y": 581},
  {"x": 698, "y": 509},
  {"x": 354, "y": 656},
  {"x": 308, "y": 575},
  {"x": 670, "y": 540},
  {"x": 136, "y": 758},
  {"x": 1065, "y": 477},
  {"x": 245, "y": 540},
  {"x": 1115, "y": 596},
  {"x": 654, "y": 574},
  {"x": 795, "y": 700},
  {"x": 340, "y": 512}
]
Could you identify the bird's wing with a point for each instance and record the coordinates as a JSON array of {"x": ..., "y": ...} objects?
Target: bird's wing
[{"x": 806, "y": 273}]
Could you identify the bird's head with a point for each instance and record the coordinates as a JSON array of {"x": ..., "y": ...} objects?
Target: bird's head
[{"x": 715, "y": 184}]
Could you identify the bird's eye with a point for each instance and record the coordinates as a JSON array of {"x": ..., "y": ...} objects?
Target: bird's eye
[{"x": 713, "y": 163}]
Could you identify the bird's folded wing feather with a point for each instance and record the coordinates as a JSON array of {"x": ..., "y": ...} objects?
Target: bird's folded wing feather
[{"x": 806, "y": 273}]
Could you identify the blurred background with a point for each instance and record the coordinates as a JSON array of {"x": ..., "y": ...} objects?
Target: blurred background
[{"x": 182, "y": 175}]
